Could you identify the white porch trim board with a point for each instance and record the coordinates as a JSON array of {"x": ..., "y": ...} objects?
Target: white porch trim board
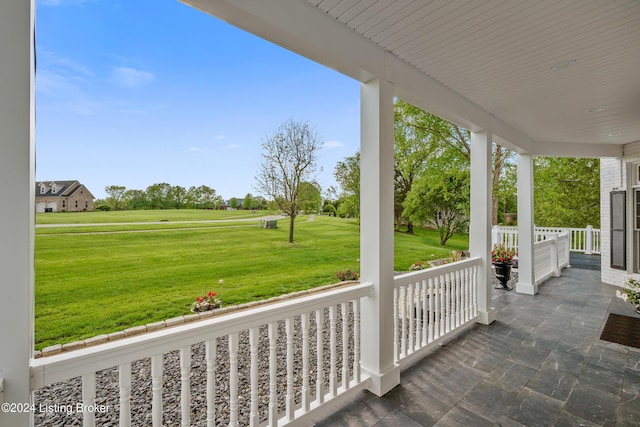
[
  {"x": 376, "y": 243},
  {"x": 526, "y": 280},
  {"x": 480, "y": 221},
  {"x": 17, "y": 172}
]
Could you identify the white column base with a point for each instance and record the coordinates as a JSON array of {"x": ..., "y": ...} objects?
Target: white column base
[
  {"x": 385, "y": 382},
  {"x": 526, "y": 288},
  {"x": 487, "y": 317}
]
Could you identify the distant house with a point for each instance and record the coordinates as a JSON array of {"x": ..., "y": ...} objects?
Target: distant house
[
  {"x": 226, "y": 205},
  {"x": 61, "y": 196}
]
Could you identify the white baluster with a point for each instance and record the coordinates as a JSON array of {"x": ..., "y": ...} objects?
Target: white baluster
[
  {"x": 456, "y": 297},
  {"x": 448, "y": 301},
  {"x": 403, "y": 321},
  {"x": 465, "y": 292},
  {"x": 436, "y": 299},
  {"x": 356, "y": 341},
  {"x": 333, "y": 387},
  {"x": 156, "y": 390},
  {"x": 210, "y": 355},
  {"x": 124, "y": 379},
  {"x": 410, "y": 317},
  {"x": 289, "y": 398},
  {"x": 88, "y": 399},
  {"x": 306, "y": 402},
  {"x": 273, "y": 372},
  {"x": 425, "y": 312},
  {"x": 254, "y": 416},
  {"x": 345, "y": 347},
  {"x": 417, "y": 313},
  {"x": 233, "y": 379},
  {"x": 185, "y": 380},
  {"x": 443, "y": 306},
  {"x": 432, "y": 309},
  {"x": 320, "y": 357},
  {"x": 474, "y": 291},
  {"x": 396, "y": 315}
]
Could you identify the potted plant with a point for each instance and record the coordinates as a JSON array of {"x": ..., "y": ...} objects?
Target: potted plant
[
  {"x": 502, "y": 259},
  {"x": 209, "y": 301},
  {"x": 631, "y": 293}
]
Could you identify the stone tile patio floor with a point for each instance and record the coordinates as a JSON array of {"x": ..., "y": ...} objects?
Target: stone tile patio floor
[{"x": 540, "y": 364}]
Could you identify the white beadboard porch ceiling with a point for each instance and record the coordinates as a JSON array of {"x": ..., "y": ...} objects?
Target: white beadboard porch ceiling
[{"x": 552, "y": 71}]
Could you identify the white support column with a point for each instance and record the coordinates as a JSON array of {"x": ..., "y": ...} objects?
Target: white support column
[
  {"x": 17, "y": 171},
  {"x": 480, "y": 222},
  {"x": 376, "y": 234},
  {"x": 526, "y": 283}
]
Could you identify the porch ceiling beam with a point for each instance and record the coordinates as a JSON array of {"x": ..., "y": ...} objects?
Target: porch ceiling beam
[
  {"x": 568, "y": 149},
  {"x": 301, "y": 28}
]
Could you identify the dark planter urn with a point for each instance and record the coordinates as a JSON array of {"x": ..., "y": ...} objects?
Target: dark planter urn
[{"x": 503, "y": 274}]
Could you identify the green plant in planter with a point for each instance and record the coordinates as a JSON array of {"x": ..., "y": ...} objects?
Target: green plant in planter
[{"x": 501, "y": 253}]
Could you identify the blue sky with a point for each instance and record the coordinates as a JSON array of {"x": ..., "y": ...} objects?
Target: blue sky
[{"x": 135, "y": 92}]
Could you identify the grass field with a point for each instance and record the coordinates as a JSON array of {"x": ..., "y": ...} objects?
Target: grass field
[{"x": 100, "y": 279}]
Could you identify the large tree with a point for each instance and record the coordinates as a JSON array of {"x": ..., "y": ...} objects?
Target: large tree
[
  {"x": 115, "y": 195},
  {"x": 440, "y": 198},
  {"x": 136, "y": 199},
  {"x": 412, "y": 148},
  {"x": 288, "y": 159},
  {"x": 157, "y": 194},
  {"x": 347, "y": 174},
  {"x": 567, "y": 192},
  {"x": 310, "y": 197},
  {"x": 449, "y": 135}
]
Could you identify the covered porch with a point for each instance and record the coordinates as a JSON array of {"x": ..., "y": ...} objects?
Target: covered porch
[
  {"x": 517, "y": 74},
  {"x": 541, "y": 363}
]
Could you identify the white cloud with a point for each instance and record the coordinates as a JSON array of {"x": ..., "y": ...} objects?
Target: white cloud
[
  {"x": 194, "y": 149},
  {"x": 130, "y": 77},
  {"x": 51, "y": 60},
  {"x": 333, "y": 144},
  {"x": 232, "y": 146},
  {"x": 219, "y": 137}
]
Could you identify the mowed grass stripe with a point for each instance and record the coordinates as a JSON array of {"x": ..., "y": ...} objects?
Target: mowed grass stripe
[{"x": 92, "y": 284}]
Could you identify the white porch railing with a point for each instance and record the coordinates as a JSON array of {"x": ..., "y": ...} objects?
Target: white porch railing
[
  {"x": 550, "y": 255},
  {"x": 260, "y": 376},
  {"x": 585, "y": 240},
  {"x": 551, "y": 248},
  {"x": 431, "y": 304}
]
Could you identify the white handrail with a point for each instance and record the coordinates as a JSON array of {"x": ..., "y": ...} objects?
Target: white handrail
[{"x": 586, "y": 240}]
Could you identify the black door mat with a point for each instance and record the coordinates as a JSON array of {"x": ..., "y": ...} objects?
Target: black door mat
[{"x": 623, "y": 330}]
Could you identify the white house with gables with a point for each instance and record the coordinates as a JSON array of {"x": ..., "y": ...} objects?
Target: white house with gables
[{"x": 552, "y": 78}]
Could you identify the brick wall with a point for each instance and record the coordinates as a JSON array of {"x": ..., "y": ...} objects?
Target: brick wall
[{"x": 613, "y": 176}]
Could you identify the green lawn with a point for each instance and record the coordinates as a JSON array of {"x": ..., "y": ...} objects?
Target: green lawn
[
  {"x": 91, "y": 284},
  {"x": 142, "y": 216}
]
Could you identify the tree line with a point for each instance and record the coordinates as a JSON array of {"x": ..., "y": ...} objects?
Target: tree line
[{"x": 167, "y": 196}]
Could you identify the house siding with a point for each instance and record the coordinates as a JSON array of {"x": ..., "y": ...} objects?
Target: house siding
[{"x": 613, "y": 177}]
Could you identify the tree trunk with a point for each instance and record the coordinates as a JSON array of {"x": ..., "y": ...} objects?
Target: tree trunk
[
  {"x": 409, "y": 227},
  {"x": 291, "y": 224}
]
